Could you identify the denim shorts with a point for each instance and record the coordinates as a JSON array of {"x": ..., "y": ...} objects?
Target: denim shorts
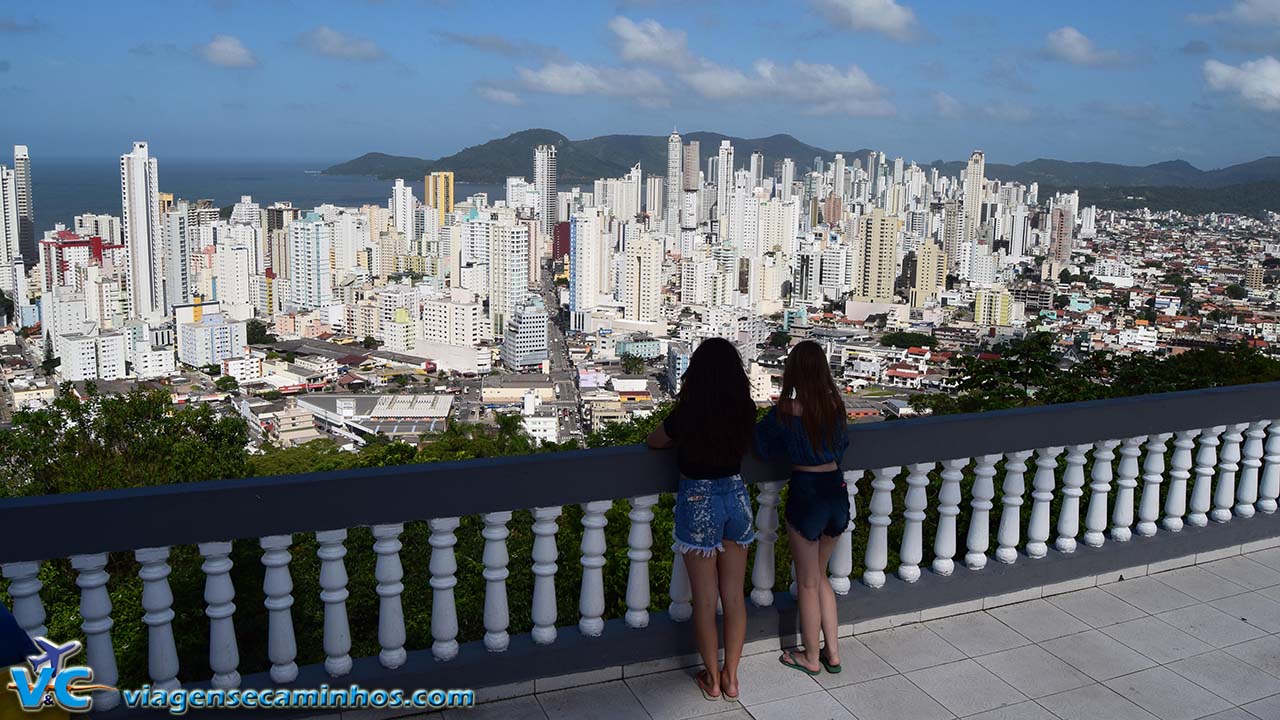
[
  {"x": 818, "y": 503},
  {"x": 708, "y": 512}
]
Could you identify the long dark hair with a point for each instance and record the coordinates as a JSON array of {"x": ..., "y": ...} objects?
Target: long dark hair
[
  {"x": 715, "y": 400},
  {"x": 807, "y": 380}
]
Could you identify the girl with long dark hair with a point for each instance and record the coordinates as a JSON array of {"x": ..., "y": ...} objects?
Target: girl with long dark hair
[
  {"x": 807, "y": 428},
  {"x": 711, "y": 428}
]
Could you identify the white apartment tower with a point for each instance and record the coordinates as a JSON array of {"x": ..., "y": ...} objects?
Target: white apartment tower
[
  {"x": 641, "y": 292},
  {"x": 310, "y": 243},
  {"x": 724, "y": 184},
  {"x": 675, "y": 177},
  {"x": 26, "y": 204},
  {"x": 544, "y": 182},
  {"x": 508, "y": 273},
  {"x": 140, "y": 206},
  {"x": 9, "y": 232},
  {"x": 403, "y": 205},
  {"x": 974, "y": 179}
]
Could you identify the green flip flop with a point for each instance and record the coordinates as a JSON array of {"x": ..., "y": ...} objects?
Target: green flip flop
[
  {"x": 796, "y": 665},
  {"x": 833, "y": 669}
]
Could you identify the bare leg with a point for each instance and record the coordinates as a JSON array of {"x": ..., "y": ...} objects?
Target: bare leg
[
  {"x": 732, "y": 567},
  {"x": 702, "y": 580},
  {"x": 827, "y": 601},
  {"x": 809, "y": 577}
]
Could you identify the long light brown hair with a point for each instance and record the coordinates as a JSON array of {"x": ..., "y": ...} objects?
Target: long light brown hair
[{"x": 807, "y": 380}]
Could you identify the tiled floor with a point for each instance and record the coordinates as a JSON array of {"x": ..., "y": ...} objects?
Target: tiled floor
[{"x": 1197, "y": 642}]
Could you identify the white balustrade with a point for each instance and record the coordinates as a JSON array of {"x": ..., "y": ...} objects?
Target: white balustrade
[
  {"x": 444, "y": 569},
  {"x": 1041, "y": 495},
  {"x": 681, "y": 607},
  {"x": 763, "y": 572},
  {"x": 979, "y": 537},
  {"x": 277, "y": 585},
  {"x": 878, "y": 512},
  {"x": 1095, "y": 519},
  {"x": 1224, "y": 495},
  {"x": 219, "y": 594},
  {"x": 333, "y": 593},
  {"x": 1206, "y": 461},
  {"x": 497, "y": 615},
  {"x": 639, "y": 552},
  {"x": 545, "y": 555},
  {"x": 157, "y": 603},
  {"x": 1269, "y": 487},
  {"x": 24, "y": 588},
  {"x": 840, "y": 565},
  {"x": 389, "y": 573},
  {"x": 1008, "y": 535},
  {"x": 1152, "y": 477},
  {"x": 913, "y": 521},
  {"x": 95, "y": 613},
  {"x": 591, "y": 598},
  {"x": 944, "y": 540},
  {"x": 1126, "y": 481},
  {"x": 1175, "y": 501},
  {"x": 1072, "y": 490},
  {"x": 1250, "y": 465}
]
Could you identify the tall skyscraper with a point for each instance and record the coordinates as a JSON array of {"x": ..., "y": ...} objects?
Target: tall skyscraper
[
  {"x": 675, "y": 178},
  {"x": 757, "y": 169},
  {"x": 9, "y": 229},
  {"x": 788, "y": 177},
  {"x": 508, "y": 273},
  {"x": 1060, "y": 222},
  {"x": 724, "y": 183},
  {"x": 974, "y": 179},
  {"x": 26, "y": 204},
  {"x": 875, "y": 258},
  {"x": 837, "y": 176},
  {"x": 544, "y": 180},
  {"x": 642, "y": 279},
  {"x": 438, "y": 194},
  {"x": 403, "y": 204},
  {"x": 140, "y": 215},
  {"x": 931, "y": 273},
  {"x": 177, "y": 252},
  {"x": 310, "y": 247},
  {"x": 584, "y": 263}
]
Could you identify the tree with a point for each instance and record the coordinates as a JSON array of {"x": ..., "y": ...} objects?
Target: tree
[
  {"x": 907, "y": 340},
  {"x": 632, "y": 364},
  {"x": 1236, "y": 292},
  {"x": 227, "y": 384},
  {"x": 212, "y": 370},
  {"x": 256, "y": 331},
  {"x": 779, "y": 339},
  {"x": 370, "y": 342}
]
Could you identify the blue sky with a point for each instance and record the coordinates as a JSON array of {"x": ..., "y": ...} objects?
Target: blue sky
[{"x": 1136, "y": 81}]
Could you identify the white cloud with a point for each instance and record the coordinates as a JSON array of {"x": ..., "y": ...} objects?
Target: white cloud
[
  {"x": 575, "y": 78},
  {"x": 648, "y": 41},
  {"x": 715, "y": 81},
  {"x": 1247, "y": 11},
  {"x": 882, "y": 16},
  {"x": 1070, "y": 45},
  {"x": 946, "y": 105},
  {"x": 326, "y": 41},
  {"x": 227, "y": 51},
  {"x": 1257, "y": 82},
  {"x": 826, "y": 88},
  {"x": 498, "y": 95}
]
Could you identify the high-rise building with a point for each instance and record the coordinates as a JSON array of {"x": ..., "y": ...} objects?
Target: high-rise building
[
  {"x": 438, "y": 193},
  {"x": 403, "y": 206},
  {"x": 875, "y": 257},
  {"x": 1060, "y": 223},
  {"x": 140, "y": 216},
  {"x": 177, "y": 252},
  {"x": 544, "y": 179},
  {"x": 508, "y": 272},
  {"x": 310, "y": 245},
  {"x": 642, "y": 279},
  {"x": 724, "y": 184},
  {"x": 9, "y": 229},
  {"x": 837, "y": 176},
  {"x": 675, "y": 177},
  {"x": 1253, "y": 277},
  {"x": 757, "y": 169},
  {"x": 585, "y": 229},
  {"x": 26, "y": 203},
  {"x": 524, "y": 342},
  {"x": 788, "y": 177},
  {"x": 993, "y": 306},
  {"x": 931, "y": 274},
  {"x": 974, "y": 179},
  {"x": 690, "y": 166}
]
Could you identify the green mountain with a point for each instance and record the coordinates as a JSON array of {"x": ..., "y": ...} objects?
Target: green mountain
[{"x": 613, "y": 156}]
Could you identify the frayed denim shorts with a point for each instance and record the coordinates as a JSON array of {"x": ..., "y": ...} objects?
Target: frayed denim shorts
[
  {"x": 708, "y": 512},
  {"x": 818, "y": 503}
]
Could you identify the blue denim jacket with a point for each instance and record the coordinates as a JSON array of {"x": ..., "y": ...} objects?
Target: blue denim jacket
[{"x": 782, "y": 437}]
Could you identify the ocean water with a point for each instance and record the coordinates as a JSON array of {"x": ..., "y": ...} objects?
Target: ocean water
[{"x": 66, "y": 188}]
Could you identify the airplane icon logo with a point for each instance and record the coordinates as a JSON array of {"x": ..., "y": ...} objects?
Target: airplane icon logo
[
  {"x": 53, "y": 655},
  {"x": 51, "y": 681}
]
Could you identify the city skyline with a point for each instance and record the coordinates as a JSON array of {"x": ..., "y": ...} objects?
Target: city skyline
[{"x": 1141, "y": 83}]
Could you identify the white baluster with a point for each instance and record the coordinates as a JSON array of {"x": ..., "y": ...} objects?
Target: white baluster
[
  {"x": 1269, "y": 488},
  {"x": 840, "y": 565},
  {"x": 1224, "y": 495},
  {"x": 157, "y": 602},
  {"x": 1041, "y": 495},
  {"x": 389, "y": 572},
  {"x": 944, "y": 540},
  {"x": 878, "y": 512},
  {"x": 277, "y": 585},
  {"x": 979, "y": 538},
  {"x": 792, "y": 587},
  {"x": 95, "y": 611},
  {"x": 1206, "y": 461},
  {"x": 219, "y": 593},
  {"x": 763, "y": 573},
  {"x": 1008, "y": 535},
  {"x": 444, "y": 569},
  {"x": 24, "y": 588},
  {"x": 591, "y": 598},
  {"x": 1095, "y": 519},
  {"x": 1250, "y": 464},
  {"x": 545, "y": 555},
  {"x": 1072, "y": 489},
  {"x": 639, "y": 552},
  {"x": 497, "y": 616},
  {"x": 333, "y": 593},
  {"x": 1126, "y": 481},
  {"x": 913, "y": 521},
  {"x": 1152, "y": 477},
  {"x": 681, "y": 607},
  {"x": 1175, "y": 502}
]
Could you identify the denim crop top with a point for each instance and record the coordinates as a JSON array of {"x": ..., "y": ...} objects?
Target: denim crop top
[{"x": 788, "y": 441}]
